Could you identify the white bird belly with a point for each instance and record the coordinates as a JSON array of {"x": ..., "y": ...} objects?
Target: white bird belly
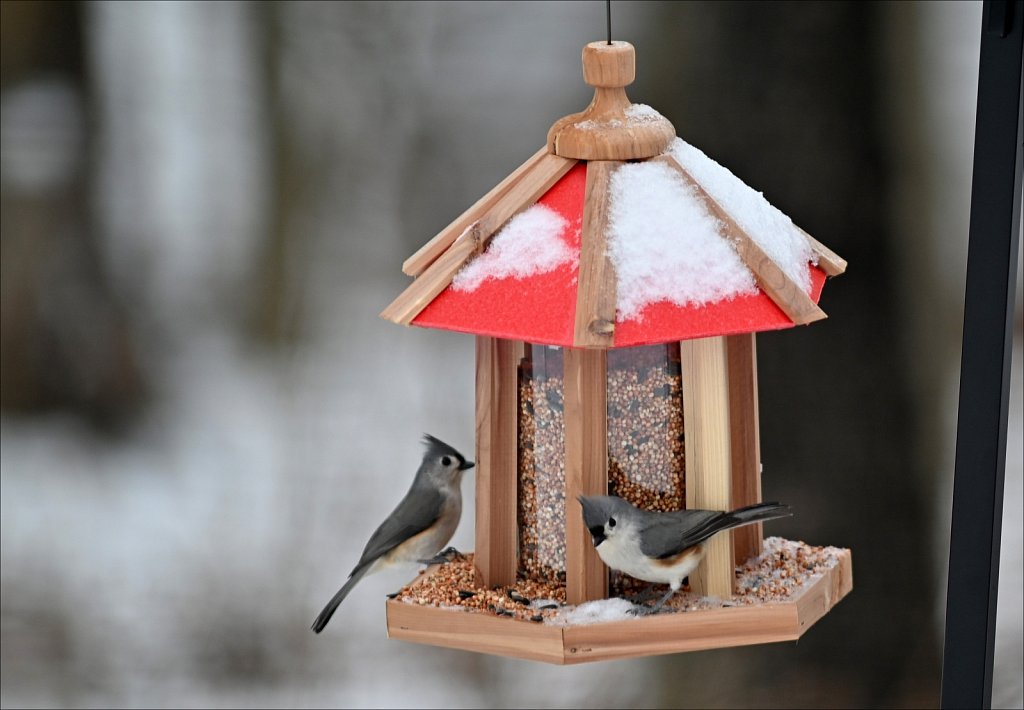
[{"x": 622, "y": 553}]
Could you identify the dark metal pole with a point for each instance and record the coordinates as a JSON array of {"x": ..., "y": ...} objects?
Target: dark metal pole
[{"x": 980, "y": 463}]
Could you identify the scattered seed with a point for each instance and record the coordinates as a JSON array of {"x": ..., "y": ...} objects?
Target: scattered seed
[{"x": 517, "y": 597}]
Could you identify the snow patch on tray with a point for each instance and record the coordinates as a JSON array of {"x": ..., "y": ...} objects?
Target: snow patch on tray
[
  {"x": 531, "y": 243},
  {"x": 665, "y": 245},
  {"x": 772, "y": 230},
  {"x": 595, "y": 612}
]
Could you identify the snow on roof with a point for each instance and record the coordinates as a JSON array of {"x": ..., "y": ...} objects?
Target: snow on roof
[
  {"x": 773, "y": 231},
  {"x": 531, "y": 243},
  {"x": 635, "y": 115},
  {"x": 677, "y": 273},
  {"x": 665, "y": 245}
]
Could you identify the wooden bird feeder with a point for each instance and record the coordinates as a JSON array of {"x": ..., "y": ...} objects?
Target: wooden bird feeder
[{"x": 614, "y": 283}]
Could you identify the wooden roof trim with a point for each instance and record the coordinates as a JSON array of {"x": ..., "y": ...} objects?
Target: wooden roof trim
[
  {"x": 596, "y": 292},
  {"x": 434, "y": 279},
  {"x": 787, "y": 295},
  {"x": 830, "y": 262},
  {"x": 426, "y": 254},
  {"x": 530, "y": 186}
]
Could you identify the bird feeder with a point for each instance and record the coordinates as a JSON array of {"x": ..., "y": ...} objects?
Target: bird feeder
[{"x": 614, "y": 283}]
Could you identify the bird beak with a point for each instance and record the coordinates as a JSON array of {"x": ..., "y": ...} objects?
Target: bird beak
[
  {"x": 466, "y": 465},
  {"x": 597, "y": 534}
]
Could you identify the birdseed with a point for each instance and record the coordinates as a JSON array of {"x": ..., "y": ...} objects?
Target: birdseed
[
  {"x": 780, "y": 574},
  {"x": 646, "y": 455}
]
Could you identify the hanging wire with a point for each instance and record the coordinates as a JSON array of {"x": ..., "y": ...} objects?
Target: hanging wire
[{"x": 608, "y": 13}]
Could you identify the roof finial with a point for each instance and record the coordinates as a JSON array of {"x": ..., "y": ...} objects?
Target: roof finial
[{"x": 611, "y": 127}]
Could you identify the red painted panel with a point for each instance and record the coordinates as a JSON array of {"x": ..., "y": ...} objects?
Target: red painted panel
[
  {"x": 542, "y": 309},
  {"x": 663, "y": 321}
]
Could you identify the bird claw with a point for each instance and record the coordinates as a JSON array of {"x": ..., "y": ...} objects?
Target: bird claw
[
  {"x": 645, "y": 595},
  {"x": 644, "y": 610},
  {"x": 443, "y": 557}
]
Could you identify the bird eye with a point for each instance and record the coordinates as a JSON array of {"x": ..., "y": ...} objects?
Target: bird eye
[
  {"x": 611, "y": 522},
  {"x": 446, "y": 460}
]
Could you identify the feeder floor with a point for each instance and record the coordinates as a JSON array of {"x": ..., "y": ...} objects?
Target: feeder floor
[{"x": 778, "y": 596}]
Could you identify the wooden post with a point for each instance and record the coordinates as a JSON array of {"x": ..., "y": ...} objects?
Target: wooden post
[
  {"x": 586, "y": 468},
  {"x": 746, "y": 441},
  {"x": 708, "y": 453},
  {"x": 595, "y": 298},
  {"x": 496, "y": 458}
]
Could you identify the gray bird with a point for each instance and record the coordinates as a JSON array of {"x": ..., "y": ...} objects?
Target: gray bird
[
  {"x": 422, "y": 523},
  {"x": 661, "y": 548}
]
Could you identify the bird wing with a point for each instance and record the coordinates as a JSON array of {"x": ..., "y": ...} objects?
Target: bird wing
[
  {"x": 667, "y": 534},
  {"x": 420, "y": 509}
]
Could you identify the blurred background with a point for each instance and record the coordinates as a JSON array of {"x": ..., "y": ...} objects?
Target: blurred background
[{"x": 205, "y": 206}]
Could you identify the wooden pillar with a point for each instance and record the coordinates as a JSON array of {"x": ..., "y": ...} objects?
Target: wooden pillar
[
  {"x": 496, "y": 459},
  {"x": 746, "y": 441},
  {"x": 708, "y": 453},
  {"x": 586, "y": 468}
]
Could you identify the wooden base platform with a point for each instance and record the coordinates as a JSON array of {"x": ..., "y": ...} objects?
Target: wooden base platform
[{"x": 643, "y": 636}]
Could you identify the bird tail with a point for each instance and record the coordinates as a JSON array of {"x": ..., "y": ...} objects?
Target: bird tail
[
  {"x": 743, "y": 516},
  {"x": 338, "y": 598},
  {"x": 757, "y": 513}
]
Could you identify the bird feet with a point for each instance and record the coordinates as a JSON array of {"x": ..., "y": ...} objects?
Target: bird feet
[
  {"x": 443, "y": 557},
  {"x": 640, "y": 610},
  {"x": 645, "y": 595}
]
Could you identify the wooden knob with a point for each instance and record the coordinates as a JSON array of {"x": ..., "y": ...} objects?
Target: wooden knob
[
  {"x": 609, "y": 65},
  {"x": 611, "y": 127}
]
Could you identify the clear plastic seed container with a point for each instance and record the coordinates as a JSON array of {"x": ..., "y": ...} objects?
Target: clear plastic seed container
[
  {"x": 542, "y": 465},
  {"x": 646, "y": 459}
]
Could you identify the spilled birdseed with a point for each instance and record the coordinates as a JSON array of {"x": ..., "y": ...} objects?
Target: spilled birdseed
[
  {"x": 779, "y": 574},
  {"x": 452, "y": 586}
]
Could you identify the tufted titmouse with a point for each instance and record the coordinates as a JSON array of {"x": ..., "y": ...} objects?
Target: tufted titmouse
[
  {"x": 422, "y": 523},
  {"x": 661, "y": 548}
]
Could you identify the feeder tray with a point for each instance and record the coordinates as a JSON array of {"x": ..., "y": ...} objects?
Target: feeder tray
[
  {"x": 582, "y": 391},
  {"x": 676, "y": 632}
]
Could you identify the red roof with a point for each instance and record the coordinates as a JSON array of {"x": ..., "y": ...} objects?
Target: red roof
[{"x": 542, "y": 308}]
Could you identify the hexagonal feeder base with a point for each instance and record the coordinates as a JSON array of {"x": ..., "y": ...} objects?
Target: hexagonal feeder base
[{"x": 643, "y": 636}]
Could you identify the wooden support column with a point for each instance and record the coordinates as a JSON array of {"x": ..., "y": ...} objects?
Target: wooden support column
[
  {"x": 595, "y": 298},
  {"x": 708, "y": 453},
  {"x": 496, "y": 458},
  {"x": 746, "y": 441},
  {"x": 586, "y": 468}
]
